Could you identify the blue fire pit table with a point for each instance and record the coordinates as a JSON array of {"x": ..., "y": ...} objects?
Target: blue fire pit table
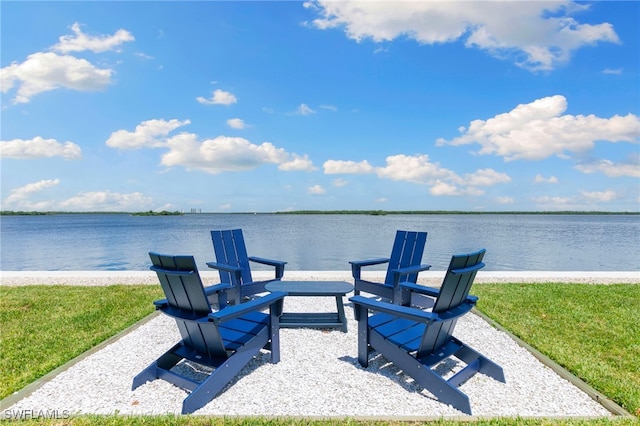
[{"x": 335, "y": 289}]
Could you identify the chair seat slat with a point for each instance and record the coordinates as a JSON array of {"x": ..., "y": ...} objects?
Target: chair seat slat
[{"x": 394, "y": 327}]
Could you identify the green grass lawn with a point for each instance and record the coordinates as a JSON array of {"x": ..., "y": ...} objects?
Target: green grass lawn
[
  {"x": 45, "y": 326},
  {"x": 591, "y": 330},
  {"x": 234, "y": 421},
  {"x": 588, "y": 329}
]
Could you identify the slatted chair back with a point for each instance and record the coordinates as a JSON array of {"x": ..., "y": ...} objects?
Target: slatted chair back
[
  {"x": 453, "y": 293},
  {"x": 408, "y": 248},
  {"x": 230, "y": 249},
  {"x": 458, "y": 280},
  {"x": 187, "y": 302}
]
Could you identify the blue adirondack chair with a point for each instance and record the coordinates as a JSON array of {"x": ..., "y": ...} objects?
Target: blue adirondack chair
[
  {"x": 232, "y": 263},
  {"x": 403, "y": 265},
  {"x": 224, "y": 341},
  {"x": 415, "y": 340}
]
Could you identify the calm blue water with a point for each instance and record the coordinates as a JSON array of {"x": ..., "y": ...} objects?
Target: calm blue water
[{"x": 322, "y": 242}]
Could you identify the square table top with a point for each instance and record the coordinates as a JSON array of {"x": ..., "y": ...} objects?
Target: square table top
[{"x": 311, "y": 288}]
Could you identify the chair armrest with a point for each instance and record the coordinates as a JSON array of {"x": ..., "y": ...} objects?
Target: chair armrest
[
  {"x": 235, "y": 271},
  {"x": 278, "y": 264},
  {"x": 356, "y": 265},
  {"x": 217, "y": 288},
  {"x": 182, "y": 314},
  {"x": 410, "y": 313},
  {"x": 430, "y": 291},
  {"x": 217, "y": 294},
  {"x": 469, "y": 269},
  {"x": 161, "y": 303},
  {"x": 258, "y": 304},
  {"x": 224, "y": 267},
  {"x": 414, "y": 269},
  {"x": 162, "y": 270},
  {"x": 369, "y": 262},
  {"x": 396, "y": 310},
  {"x": 417, "y": 288},
  {"x": 208, "y": 291}
]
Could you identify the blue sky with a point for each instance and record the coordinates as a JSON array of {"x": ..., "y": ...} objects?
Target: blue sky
[{"x": 276, "y": 106}]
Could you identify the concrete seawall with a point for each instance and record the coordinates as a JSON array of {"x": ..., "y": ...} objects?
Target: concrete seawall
[{"x": 14, "y": 278}]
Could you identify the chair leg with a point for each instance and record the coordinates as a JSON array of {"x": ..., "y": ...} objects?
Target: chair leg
[
  {"x": 274, "y": 333},
  {"x": 341, "y": 315},
  {"x": 215, "y": 383},
  {"x": 221, "y": 376},
  {"x": 363, "y": 335},
  {"x": 442, "y": 390},
  {"x": 149, "y": 374},
  {"x": 166, "y": 361},
  {"x": 355, "y": 293},
  {"x": 485, "y": 365}
]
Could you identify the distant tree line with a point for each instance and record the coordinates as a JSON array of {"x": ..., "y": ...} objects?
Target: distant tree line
[
  {"x": 385, "y": 212},
  {"x": 35, "y": 213},
  {"x": 365, "y": 212},
  {"x": 162, "y": 213},
  {"x": 21, "y": 213}
]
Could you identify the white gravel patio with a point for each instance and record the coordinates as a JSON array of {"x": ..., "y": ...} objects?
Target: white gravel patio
[{"x": 318, "y": 374}]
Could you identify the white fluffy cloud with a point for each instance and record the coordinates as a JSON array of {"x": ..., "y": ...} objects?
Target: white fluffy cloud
[
  {"x": 332, "y": 167},
  {"x": 80, "y": 41},
  {"x": 339, "y": 183},
  {"x": 106, "y": 201},
  {"x": 611, "y": 169},
  {"x": 585, "y": 200},
  {"x": 505, "y": 200},
  {"x": 484, "y": 177},
  {"x": 413, "y": 168},
  {"x": 221, "y": 154},
  {"x": 305, "y": 109},
  {"x": 536, "y": 35},
  {"x": 39, "y": 147},
  {"x": 420, "y": 170},
  {"x": 219, "y": 97},
  {"x": 148, "y": 134},
  {"x": 440, "y": 189},
  {"x": 31, "y": 198},
  {"x": 236, "y": 123},
  {"x": 316, "y": 190},
  {"x": 538, "y": 130},
  {"x": 19, "y": 197},
  {"x": 541, "y": 179},
  {"x": 45, "y": 71},
  {"x": 228, "y": 154},
  {"x": 297, "y": 163},
  {"x": 217, "y": 155},
  {"x": 600, "y": 196}
]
